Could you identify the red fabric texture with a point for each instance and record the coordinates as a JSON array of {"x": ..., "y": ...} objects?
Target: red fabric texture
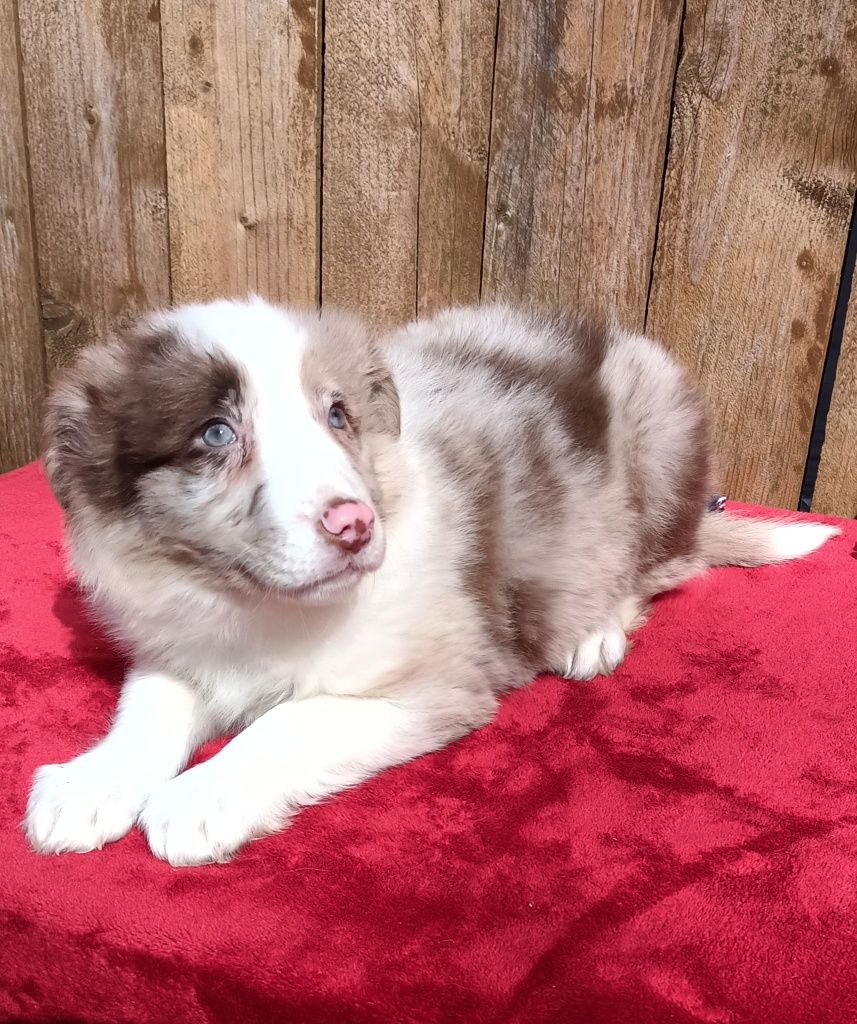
[{"x": 675, "y": 844}]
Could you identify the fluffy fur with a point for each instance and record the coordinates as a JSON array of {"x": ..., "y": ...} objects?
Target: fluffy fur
[{"x": 535, "y": 479}]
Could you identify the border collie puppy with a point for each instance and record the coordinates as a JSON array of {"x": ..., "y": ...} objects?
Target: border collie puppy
[{"x": 345, "y": 549}]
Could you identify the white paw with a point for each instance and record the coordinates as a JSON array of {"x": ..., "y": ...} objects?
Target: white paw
[
  {"x": 81, "y": 805},
  {"x": 600, "y": 653},
  {"x": 204, "y": 815}
]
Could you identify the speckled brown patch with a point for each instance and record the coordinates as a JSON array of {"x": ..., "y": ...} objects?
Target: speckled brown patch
[
  {"x": 567, "y": 375},
  {"x": 134, "y": 406},
  {"x": 343, "y": 360},
  {"x": 675, "y": 534}
]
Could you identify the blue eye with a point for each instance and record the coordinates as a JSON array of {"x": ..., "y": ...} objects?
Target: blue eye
[
  {"x": 217, "y": 435},
  {"x": 336, "y": 417}
]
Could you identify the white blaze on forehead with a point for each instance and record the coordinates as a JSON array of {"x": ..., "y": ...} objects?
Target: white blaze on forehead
[
  {"x": 296, "y": 458},
  {"x": 256, "y": 335}
]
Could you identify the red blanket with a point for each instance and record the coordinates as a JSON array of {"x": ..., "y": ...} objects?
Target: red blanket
[{"x": 675, "y": 844}]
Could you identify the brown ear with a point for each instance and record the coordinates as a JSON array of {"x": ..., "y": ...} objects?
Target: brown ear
[
  {"x": 384, "y": 413},
  {"x": 78, "y": 437}
]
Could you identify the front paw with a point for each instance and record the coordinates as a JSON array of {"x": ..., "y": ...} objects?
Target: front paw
[
  {"x": 600, "y": 653},
  {"x": 80, "y": 806},
  {"x": 206, "y": 816}
]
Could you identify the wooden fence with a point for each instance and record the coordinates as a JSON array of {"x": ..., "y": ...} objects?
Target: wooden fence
[{"x": 690, "y": 168}]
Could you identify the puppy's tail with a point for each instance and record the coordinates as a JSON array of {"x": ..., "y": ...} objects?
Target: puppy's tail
[{"x": 725, "y": 539}]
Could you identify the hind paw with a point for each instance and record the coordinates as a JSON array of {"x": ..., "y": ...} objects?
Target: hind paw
[{"x": 600, "y": 653}]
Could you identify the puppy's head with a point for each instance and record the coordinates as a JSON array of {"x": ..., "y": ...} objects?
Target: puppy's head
[{"x": 235, "y": 440}]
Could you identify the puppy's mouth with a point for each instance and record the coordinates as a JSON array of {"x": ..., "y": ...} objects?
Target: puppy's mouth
[
  {"x": 315, "y": 591},
  {"x": 325, "y": 587}
]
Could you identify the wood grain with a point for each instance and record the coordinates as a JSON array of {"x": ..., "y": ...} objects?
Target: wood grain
[
  {"x": 454, "y": 51},
  {"x": 371, "y": 160},
  {"x": 21, "y": 347},
  {"x": 758, "y": 196},
  {"x": 581, "y": 107},
  {"x": 836, "y": 485},
  {"x": 407, "y": 108},
  {"x": 242, "y": 88},
  {"x": 94, "y": 120}
]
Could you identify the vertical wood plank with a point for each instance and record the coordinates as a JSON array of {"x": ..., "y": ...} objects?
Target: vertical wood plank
[
  {"x": 454, "y": 52},
  {"x": 21, "y": 346},
  {"x": 836, "y": 485},
  {"x": 406, "y": 120},
  {"x": 757, "y": 202},
  {"x": 92, "y": 82},
  {"x": 242, "y": 93},
  {"x": 581, "y": 108},
  {"x": 371, "y": 161}
]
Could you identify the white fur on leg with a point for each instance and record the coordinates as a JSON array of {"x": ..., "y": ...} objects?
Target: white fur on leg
[
  {"x": 95, "y": 799},
  {"x": 631, "y": 613},
  {"x": 600, "y": 653},
  {"x": 295, "y": 754},
  {"x": 795, "y": 540},
  {"x": 81, "y": 805}
]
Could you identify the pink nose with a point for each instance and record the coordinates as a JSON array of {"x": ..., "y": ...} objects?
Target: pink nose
[{"x": 348, "y": 524}]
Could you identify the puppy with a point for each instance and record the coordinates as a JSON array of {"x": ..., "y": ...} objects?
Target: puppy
[{"x": 345, "y": 549}]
